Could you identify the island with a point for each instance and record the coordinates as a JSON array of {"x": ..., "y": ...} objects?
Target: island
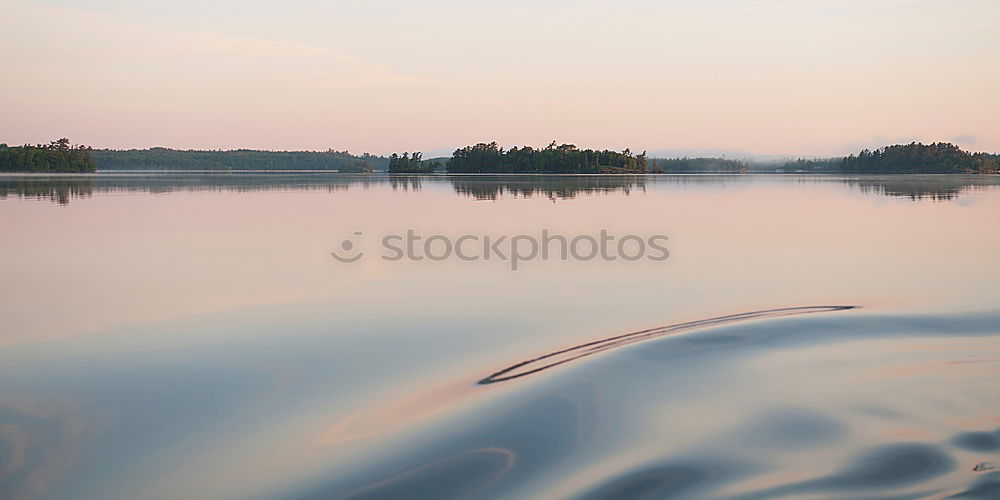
[
  {"x": 917, "y": 158},
  {"x": 554, "y": 159},
  {"x": 56, "y": 156}
]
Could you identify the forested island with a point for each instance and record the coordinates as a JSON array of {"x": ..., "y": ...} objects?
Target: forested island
[
  {"x": 561, "y": 159},
  {"x": 56, "y": 156},
  {"x": 917, "y": 158}
]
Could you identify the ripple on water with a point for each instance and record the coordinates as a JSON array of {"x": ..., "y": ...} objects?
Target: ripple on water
[
  {"x": 463, "y": 475},
  {"x": 884, "y": 467},
  {"x": 792, "y": 428},
  {"x": 679, "y": 479},
  {"x": 978, "y": 441},
  {"x": 485, "y": 460},
  {"x": 986, "y": 487}
]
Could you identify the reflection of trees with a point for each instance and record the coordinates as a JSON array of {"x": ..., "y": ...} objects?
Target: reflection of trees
[
  {"x": 552, "y": 187},
  {"x": 61, "y": 189},
  {"x": 57, "y": 189},
  {"x": 480, "y": 187},
  {"x": 405, "y": 182},
  {"x": 922, "y": 187}
]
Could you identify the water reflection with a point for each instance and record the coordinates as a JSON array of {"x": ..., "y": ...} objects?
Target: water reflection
[
  {"x": 57, "y": 189},
  {"x": 204, "y": 345},
  {"x": 62, "y": 189},
  {"x": 551, "y": 187},
  {"x": 921, "y": 187},
  {"x": 40, "y": 441},
  {"x": 406, "y": 182}
]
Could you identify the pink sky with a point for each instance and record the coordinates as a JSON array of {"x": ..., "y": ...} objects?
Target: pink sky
[{"x": 813, "y": 77}]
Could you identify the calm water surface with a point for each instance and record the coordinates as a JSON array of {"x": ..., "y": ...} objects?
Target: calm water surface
[{"x": 190, "y": 336}]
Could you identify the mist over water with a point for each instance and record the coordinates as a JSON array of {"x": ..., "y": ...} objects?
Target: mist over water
[{"x": 189, "y": 336}]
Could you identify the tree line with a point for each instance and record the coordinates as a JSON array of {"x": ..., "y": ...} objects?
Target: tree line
[
  {"x": 554, "y": 159},
  {"x": 917, "y": 158},
  {"x": 239, "y": 159},
  {"x": 913, "y": 158},
  {"x": 56, "y": 156}
]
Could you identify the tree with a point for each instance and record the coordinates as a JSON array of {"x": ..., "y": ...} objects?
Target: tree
[
  {"x": 56, "y": 156},
  {"x": 410, "y": 165}
]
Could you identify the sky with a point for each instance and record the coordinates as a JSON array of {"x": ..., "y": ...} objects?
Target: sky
[{"x": 737, "y": 77}]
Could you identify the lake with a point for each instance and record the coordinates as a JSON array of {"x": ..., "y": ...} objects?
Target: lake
[{"x": 250, "y": 335}]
